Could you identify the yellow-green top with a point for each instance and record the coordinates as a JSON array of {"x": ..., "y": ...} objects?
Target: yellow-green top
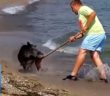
[{"x": 96, "y": 27}]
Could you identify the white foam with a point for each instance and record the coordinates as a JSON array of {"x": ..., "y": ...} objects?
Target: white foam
[
  {"x": 66, "y": 49},
  {"x": 13, "y": 9},
  {"x": 17, "y": 8},
  {"x": 94, "y": 74},
  {"x": 33, "y": 1},
  {"x": 70, "y": 50},
  {"x": 50, "y": 44}
]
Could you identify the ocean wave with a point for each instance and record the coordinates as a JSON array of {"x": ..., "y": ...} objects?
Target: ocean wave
[
  {"x": 13, "y": 9},
  {"x": 17, "y": 8},
  {"x": 32, "y": 1},
  {"x": 66, "y": 49}
]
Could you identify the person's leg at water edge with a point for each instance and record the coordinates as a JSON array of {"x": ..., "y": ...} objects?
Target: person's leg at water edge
[
  {"x": 79, "y": 62},
  {"x": 94, "y": 33},
  {"x": 94, "y": 45},
  {"x": 95, "y": 55}
]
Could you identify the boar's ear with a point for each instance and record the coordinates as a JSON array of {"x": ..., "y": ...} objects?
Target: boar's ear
[
  {"x": 31, "y": 45},
  {"x": 28, "y": 43}
]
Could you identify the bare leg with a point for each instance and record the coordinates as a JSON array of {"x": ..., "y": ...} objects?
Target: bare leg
[
  {"x": 79, "y": 61},
  {"x": 97, "y": 60}
]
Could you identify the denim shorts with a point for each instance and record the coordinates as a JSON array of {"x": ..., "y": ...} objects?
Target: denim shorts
[{"x": 94, "y": 42}]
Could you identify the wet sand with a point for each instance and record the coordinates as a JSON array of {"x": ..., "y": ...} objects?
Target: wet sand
[
  {"x": 14, "y": 84},
  {"x": 52, "y": 68},
  {"x": 4, "y": 3},
  {"x": 51, "y": 74},
  {"x": 77, "y": 88},
  {"x": 82, "y": 87}
]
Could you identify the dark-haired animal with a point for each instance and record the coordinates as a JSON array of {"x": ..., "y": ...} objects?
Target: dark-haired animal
[{"x": 28, "y": 55}]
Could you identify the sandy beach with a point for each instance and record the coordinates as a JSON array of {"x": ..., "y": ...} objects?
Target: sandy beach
[
  {"x": 52, "y": 72},
  {"x": 78, "y": 88},
  {"x": 51, "y": 82},
  {"x": 47, "y": 22},
  {"x": 15, "y": 84},
  {"x": 82, "y": 87},
  {"x": 4, "y": 3}
]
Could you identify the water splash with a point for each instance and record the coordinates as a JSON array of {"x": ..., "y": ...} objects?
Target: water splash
[
  {"x": 50, "y": 44},
  {"x": 107, "y": 70},
  {"x": 84, "y": 70},
  {"x": 94, "y": 75},
  {"x": 66, "y": 49}
]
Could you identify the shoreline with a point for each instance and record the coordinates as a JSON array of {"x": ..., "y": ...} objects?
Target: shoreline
[
  {"x": 52, "y": 73},
  {"x": 48, "y": 84}
]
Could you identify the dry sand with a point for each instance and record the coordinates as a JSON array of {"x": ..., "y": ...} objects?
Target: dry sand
[
  {"x": 14, "y": 84},
  {"x": 4, "y": 3}
]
